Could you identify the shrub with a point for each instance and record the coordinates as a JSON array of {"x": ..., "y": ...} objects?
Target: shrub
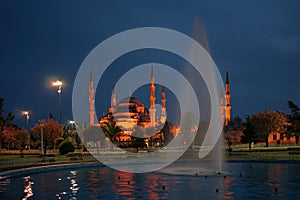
[
  {"x": 66, "y": 147},
  {"x": 58, "y": 141}
]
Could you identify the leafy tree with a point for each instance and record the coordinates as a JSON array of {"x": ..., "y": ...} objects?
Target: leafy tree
[
  {"x": 110, "y": 129},
  {"x": 10, "y": 133},
  {"x": 249, "y": 133},
  {"x": 16, "y": 137},
  {"x": 294, "y": 120},
  {"x": 51, "y": 131},
  {"x": 64, "y": 131},
  {"x": 4, "y": 121},
  {"x": 22, "y": 140},
  {"x": 58, "y": 141},
  {"x": 236, "y": 123},
  {"x": 167, "y": 133},
  {"x": 77, "y": 138},
  {"x": 267, "y": 122}
]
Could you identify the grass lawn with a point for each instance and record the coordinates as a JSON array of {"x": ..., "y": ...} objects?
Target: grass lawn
[
  {"x": 265, "y": 153},
  {"x": 12, "y": 160}
]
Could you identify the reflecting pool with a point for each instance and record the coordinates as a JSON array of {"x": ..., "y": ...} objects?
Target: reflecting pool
[{"x": 241, "y": 181}]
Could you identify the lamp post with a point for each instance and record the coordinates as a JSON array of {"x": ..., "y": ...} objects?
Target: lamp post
[
  {"x": 72, "y": 122},
  {"x": 42, "y": 137},
  {"x": 26, "y": 114},
  {"x": 58, "y": 84}
]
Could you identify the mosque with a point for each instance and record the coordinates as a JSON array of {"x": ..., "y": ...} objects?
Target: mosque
[{"x": 130, "y": 115}]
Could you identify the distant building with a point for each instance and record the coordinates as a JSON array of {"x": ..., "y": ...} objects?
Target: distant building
[{"x": 277, "y": 138}]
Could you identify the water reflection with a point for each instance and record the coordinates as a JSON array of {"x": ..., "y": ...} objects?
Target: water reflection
[
  {"x": 258, "y": 181},
  {"x": 108, "y": 183},
  {"x": 124, "y": 184},
  {"x": 263, "y": 181},
  {"x": 4, "y": 182},
  {"x": 156, "y": 186},
  {"x": 28, "y": 189},
  {"x": 274, "y": 177},
  {"x": 229, "y": 182},
  {"x": 73, "y": 187}
]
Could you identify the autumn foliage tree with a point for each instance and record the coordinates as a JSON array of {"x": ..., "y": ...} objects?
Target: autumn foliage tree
[
  {"x": 10, "y": 133},
  {"x": 16, "y": 138},
  {"x": 267, "y": 122},
  {"x": 51, "y": 131}
]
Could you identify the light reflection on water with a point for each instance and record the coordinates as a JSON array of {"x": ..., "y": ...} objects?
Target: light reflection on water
[
  {"x": 73, "y": 187},
  {"x": 247, "y": 181},
  {"x": 28, "y": 188}
]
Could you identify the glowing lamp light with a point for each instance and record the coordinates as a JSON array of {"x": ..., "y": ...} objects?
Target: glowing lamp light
[
  {"x": 57, "y": 83},
  {"x": 25, "y": 113}
]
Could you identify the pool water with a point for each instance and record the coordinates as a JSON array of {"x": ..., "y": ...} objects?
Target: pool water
[{"x": 242, "y": 181}]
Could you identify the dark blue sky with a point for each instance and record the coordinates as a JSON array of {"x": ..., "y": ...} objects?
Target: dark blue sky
[{"x": 259, "y": 41}]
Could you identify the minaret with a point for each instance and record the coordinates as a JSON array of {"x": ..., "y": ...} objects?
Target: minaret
[
  {"x": 222, "y": 107},
  {"x": 91, "y": 100},
  {"x": 113, "y": 101},
  {"x": 114, "y": 97},
  {"x": 227, "y": 98},
  {"x": 152, "y": 109},
  {"x": 163, "y": 105}
]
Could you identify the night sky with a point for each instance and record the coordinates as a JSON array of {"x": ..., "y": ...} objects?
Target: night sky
[{"x": 41, "y": 41}]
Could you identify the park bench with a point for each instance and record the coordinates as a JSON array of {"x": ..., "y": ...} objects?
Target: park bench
[
  {"x": 294, "y": 150},
  {"x": 47, "y": 158},
  {"x": 75, "y": 156}
]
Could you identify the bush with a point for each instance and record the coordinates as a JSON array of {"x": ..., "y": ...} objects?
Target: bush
[
  {"x": 58, "y": 141},
  {"x": 66, "y": 147}
]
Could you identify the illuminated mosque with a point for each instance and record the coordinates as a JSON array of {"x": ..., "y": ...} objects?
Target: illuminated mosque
[{"x": 130, "y": 114}]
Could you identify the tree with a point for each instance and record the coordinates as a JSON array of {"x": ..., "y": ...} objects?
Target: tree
[
  {"x": 294, "y": 120},
  {"x": 58, "y": 141},
  {"x": 236, "y": 123},
  {"x": 22, "y": 140},
  {"x": 64, "y": 131},
  {"x": 167, "y": 134},
  {"x": 4, "y": 121},
  {"x": 10, "y": 133},
  {"x": 110, "y": 129},
  {"x": 51, "y": 131},
  {"x": 249, "y": 133},
  {"x": 16, "y": 138},
  {"x": 267, "y": 122}
]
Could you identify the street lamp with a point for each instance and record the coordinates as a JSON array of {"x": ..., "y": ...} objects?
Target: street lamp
[
  {"x": 72, "y": 122},
  {"x": 42, "y": 137},
  {"x": 26, "y": 114},
  {"x": 58, "y": 84}
]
